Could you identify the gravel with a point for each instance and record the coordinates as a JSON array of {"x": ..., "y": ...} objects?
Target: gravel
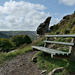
[{"x": 21, "y": 65}]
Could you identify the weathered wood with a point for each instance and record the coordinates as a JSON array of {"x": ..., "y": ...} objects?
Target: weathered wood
[
  {"x": 50, "y": 51},
  {"x": 64, "y": 43},
  {"x": 60, "y": 35},
  {"x": 52, "y": 56},
  {"x": 72, "y": 48},
  {"x": 46, "y": 44}
]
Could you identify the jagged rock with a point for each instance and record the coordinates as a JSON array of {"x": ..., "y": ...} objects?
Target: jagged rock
[
  {"x": 44, "y": 72},
  {"x": 43, "y": 27},
  {"x": 57, "y": 70}
]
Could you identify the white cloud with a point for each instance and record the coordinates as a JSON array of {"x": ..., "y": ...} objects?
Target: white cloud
[
  {"x": 2, "y": 25},
  {"x": 68, "y": 2},
  {"x": 21, "y": 15}
]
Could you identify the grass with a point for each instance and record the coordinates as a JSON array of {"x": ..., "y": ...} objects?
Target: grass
[
  {"x": 45, "y": 62},
  {"x": 8, "y": 56}
]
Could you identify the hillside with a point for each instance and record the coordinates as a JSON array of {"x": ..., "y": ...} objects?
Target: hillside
[
  {"x": 2, "y": 35},
  {"x": 65, "y": 26},
  {"x": 13, "y": 33}
]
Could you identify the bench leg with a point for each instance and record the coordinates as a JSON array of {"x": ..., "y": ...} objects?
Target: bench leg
[
  {"x": 72, "y": 48},
  {"x": 52, "y": 55}
]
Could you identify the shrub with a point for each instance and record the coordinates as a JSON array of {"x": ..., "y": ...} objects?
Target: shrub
[
  {"x": 20, "y": 40},
  {"x": 5, "y": 45}
]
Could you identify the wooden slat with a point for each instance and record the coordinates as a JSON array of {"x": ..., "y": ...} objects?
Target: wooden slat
[
  {"x": 50, "y": 51},
  {"x": 63, "y": 43},
  {"x": 60, "y": 35}
]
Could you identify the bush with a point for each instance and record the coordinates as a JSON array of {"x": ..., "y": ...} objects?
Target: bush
[
  {"x": 20, "y": 40},
  {"x": 5, "y": 45}
]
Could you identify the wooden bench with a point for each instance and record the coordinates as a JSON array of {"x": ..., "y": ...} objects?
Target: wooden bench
[{"x": 54, "y": 52}]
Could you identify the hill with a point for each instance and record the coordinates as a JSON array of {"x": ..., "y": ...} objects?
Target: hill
[
  {"x": 2, "y": 35},
  {"x": 65, "y": 26},
  {"x": 13, "y": 33}
]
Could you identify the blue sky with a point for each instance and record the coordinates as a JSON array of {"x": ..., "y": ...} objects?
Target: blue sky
[{"x": 28, "y": 14}]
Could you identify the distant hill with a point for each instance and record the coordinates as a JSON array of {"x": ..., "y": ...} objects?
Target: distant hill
[
  {"x": 4, "y": 35},
  {"x": 8, "y": 34},
  {"x": 65, "y": 26}
]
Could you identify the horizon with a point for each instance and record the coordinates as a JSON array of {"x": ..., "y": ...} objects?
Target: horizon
[{"x": 26, "y": 15}]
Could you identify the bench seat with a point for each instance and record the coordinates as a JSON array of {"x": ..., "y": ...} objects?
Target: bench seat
[{"x": 50, "y": 51}]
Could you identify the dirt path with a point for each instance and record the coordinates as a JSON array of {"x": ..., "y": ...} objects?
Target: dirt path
[{"x": 21, "y": 65}]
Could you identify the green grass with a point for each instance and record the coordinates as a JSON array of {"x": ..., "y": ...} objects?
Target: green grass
[
  {"x": 45, "y": 62},
  {"x": 8, "y": 56}
]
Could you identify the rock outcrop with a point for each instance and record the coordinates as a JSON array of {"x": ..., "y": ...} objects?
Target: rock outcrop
[{"x": 43, "y": 27}]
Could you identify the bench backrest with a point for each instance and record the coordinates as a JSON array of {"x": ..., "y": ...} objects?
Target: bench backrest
[{"x": 72, "y": 44}]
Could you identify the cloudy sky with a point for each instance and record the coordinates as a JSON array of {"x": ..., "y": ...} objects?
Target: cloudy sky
[{"x": 28, "y": 14}]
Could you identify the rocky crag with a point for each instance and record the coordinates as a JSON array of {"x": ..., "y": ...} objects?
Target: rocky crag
[{"x": 43, "y": 27}]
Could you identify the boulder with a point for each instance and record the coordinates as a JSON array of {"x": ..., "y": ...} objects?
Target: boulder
[{"x": 43, "y": 27}]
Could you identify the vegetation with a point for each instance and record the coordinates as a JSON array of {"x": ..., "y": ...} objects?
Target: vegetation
[
  {"x": 8, "y": 56},
  {"x": 2, "y": 35},
  {"x": 20, "y": 40},
  {"x": 14, "y": 42},
  {"x": 5, "y": 45},
  {"x": 73, "y": 30},
  {"x": 46, "y": 62},
  {"x": 66, "y": 25}
]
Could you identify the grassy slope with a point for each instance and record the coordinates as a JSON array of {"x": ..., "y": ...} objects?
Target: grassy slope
[
  {"x": 65, "y": 26},
  {"x": 46, "y": 62}
]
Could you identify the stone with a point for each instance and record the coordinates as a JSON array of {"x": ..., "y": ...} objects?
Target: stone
[
  {"x": 44, "y": 72},
  {"x": 56, "y": 70},
  {"x": 34, "y": 59},
  {"x": 43, "y": 27}
]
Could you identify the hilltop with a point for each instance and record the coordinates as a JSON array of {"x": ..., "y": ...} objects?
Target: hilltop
[{"x": 65, "y": 26}]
